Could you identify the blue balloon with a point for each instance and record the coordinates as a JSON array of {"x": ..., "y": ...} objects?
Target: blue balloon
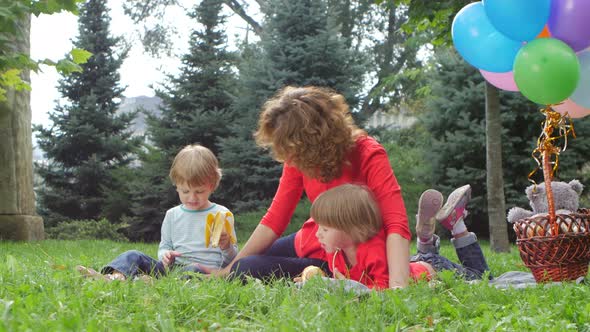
[
  {"x": 581, "y": 95},
  {"x": 521, "y": 20},
  {"x": 479, "y": 43}
]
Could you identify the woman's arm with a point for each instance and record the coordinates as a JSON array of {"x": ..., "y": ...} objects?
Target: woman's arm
[
  {"x": 382, "y": 182},
  {"x": 260, "y": 240},
  {"x": 276, "y": 219},
  {"x": 398, "y": 253}
]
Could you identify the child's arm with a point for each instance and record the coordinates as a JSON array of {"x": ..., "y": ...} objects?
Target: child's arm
[{"x": 166, "y": 243}]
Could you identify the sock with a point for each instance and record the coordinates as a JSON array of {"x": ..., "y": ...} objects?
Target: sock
[{"x": 459, "y": 227}]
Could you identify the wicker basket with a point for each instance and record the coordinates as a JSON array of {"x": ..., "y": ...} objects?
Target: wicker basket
[{"x": 555, "y": 257}]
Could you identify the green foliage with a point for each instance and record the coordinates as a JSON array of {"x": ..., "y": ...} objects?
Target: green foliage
[
  {"x": 41, "y": 291},
  {"x": 290, "y": 53},
  {"x": 14, "y": 57},
  {"x": 246, "y": 222},
  {"x": 54, "y": 6},
  {"x": 89, "y": 141},
  {"x": 86, "y": 230},
  {"x": 153, "y": 195},
  {"x": 434, "y": 17}
]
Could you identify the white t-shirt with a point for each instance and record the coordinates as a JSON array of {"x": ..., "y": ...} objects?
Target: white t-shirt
[{"x": 183, "y": 230}]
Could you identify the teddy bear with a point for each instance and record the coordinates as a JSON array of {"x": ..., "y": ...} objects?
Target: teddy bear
[{"x": 565, "y": 195}]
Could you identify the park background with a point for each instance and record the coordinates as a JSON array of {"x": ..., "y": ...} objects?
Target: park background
[
  {"x": 103, "y": 160},
  {"x": 101, "y": 179}
]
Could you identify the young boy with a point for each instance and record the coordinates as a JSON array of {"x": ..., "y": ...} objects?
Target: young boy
[{"x": 195, "y": 173}]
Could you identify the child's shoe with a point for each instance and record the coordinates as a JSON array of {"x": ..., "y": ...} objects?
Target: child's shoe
[
  {"x": 428, "y": 205},
  {"x": 454, "y": 211}
]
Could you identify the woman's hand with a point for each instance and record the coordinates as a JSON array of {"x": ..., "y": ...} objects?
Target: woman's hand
[{"x": 224, "y": 272}]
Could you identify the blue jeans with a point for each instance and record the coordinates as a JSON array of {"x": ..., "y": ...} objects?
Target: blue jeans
[
  {"x": 473, "y": 263},
  {"x": 279, "y": 261},
  {"x": 132, "y": 263}
]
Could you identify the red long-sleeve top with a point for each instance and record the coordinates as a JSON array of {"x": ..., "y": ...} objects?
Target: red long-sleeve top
[
  {"x": 369, "y": 166},
  {"x": 371, "y": 264}
]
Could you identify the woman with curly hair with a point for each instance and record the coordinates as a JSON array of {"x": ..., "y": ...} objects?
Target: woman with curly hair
[{"x": 310, "y": 130}]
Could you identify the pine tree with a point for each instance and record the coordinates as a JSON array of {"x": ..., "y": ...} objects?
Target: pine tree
[
  {"x": 456, "y": 121},
  {"x": 88, "y": 140},
  {"x": 196, "y": 109},
  {"x": 300, "y": 46}
]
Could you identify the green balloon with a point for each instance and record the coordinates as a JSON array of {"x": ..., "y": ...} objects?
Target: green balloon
[{"x": 546, "y": 71}]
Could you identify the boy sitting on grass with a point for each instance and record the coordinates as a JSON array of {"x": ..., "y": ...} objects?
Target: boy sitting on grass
[{"x": 195, "y": 173}]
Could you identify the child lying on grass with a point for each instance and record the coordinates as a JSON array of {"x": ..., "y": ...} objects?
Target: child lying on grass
[{"x": 350, "y": 231}]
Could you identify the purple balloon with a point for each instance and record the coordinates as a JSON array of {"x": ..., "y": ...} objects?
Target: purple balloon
[{"x": 569, "y": 21}]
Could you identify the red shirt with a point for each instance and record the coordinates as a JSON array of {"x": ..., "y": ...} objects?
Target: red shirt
[
  {"x": 369, "y": 166},
  {"x": 371, "y": 265}
]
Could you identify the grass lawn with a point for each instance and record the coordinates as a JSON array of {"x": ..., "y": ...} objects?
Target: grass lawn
[{"x": 41, "y": 291}]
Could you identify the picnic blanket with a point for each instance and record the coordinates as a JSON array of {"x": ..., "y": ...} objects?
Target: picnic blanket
[{"x": 511, "y": 279}]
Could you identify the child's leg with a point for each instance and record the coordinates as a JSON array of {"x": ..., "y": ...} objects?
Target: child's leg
[
  {"x": 429, "y": 204},
  {"x": 132, "y": 263},
  {"x": 470, "y": 254},
  {"x": 451, "y": 216}
]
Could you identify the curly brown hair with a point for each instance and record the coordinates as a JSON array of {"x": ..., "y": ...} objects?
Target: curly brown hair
[{"x": 310, "y": 128}]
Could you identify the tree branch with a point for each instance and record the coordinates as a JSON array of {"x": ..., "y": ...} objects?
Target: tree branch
[{"x": 237, "y": 8}]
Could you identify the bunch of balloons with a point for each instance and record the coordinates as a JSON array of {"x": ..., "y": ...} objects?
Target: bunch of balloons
[{"x": 538, "y": 47}]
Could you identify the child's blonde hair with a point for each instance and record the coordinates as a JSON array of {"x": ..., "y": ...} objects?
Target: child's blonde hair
[
  {"x": 350, "y": 208},
  {"x": 310, "y": 128},
  {"x": 195, "y": 165}
]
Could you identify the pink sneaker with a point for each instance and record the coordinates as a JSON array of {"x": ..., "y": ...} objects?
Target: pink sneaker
[
  {"x": 428, "y": 205},
  {"x": 454, "y": 210}
]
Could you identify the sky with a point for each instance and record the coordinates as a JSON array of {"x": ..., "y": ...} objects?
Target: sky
[{"x": 51, "y": 37}]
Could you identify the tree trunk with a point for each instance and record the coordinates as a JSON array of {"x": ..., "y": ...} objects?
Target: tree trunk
[
  {"x": 17, "y": 199},
  {"x": 495, "y": 180}
]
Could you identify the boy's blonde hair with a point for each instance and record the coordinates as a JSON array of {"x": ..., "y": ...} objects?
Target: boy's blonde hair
[
  {"x": 350, "y": 208},
  {"x": 195, "y": 165},
  {"x": 310, "y": 128}
]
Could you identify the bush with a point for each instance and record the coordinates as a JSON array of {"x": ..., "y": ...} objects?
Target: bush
[
  {"x": 86, "y": 230},
  {"x": 247, "y": 222}
]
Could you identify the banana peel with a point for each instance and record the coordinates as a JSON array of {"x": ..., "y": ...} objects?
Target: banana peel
[{"x": 215, "y": 225}]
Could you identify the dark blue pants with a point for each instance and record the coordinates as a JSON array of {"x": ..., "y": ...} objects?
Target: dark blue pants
[
  {"x": 473, "y": 263},
  {"x": 133, "y": 262},
  {"x": 279, "y": 261}
]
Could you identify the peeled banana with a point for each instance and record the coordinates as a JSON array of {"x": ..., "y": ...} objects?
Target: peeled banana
[{"x": 215, "y": 225}]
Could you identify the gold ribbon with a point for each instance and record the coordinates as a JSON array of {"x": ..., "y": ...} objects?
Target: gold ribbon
[{"x": 555, "y": 128}]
